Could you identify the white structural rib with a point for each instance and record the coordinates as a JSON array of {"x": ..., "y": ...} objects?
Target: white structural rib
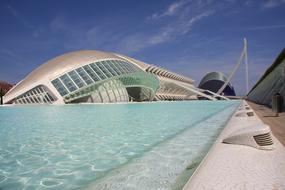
[
  {"x": 215, "y": 94},
  {"x": 195, "y": 90},
  {"x": 243, "y": 54},
  {"x": 246, "y": 66}
]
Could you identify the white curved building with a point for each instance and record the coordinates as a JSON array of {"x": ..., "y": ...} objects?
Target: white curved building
[{"x": 95, "y": 76}]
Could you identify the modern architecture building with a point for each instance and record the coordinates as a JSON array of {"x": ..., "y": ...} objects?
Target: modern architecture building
[
  {"x": 99, "y": 77},
  {"x": 271, "y": 83},
  {"x": 213, "y": 81}
]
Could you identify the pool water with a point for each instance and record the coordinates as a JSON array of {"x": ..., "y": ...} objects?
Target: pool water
[{"x": 111, "y": 146}]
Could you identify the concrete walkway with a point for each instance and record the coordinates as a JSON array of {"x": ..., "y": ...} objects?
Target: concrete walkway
[
  {"x": 277, "y": 124},
  {"x": 233, "y": 166}
]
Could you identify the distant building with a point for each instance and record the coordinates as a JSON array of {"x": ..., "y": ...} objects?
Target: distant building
[
  {"x": 213, "y": 81},
  {"x": 98, "y": 77},
  {"x": 271, "y": 82}
]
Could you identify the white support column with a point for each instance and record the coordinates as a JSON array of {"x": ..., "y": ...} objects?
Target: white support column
[
  {"x": 215, "y": 94},
  {"x": 234, "y": 70},
  {"x": 246, "y": 66},
  {"x": 196, "y": 91}
]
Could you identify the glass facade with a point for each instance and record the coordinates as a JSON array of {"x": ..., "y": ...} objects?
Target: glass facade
[
  {"x": 90, "y": 74},
  {"x": 68, "y": 83},
  {"x": 37, "y": 95},
  {"x": 104, "y": 69},
  {"x": 84, "y": 76},
  {"x": 98, "y": 71},
  {"x": 59, "y": 86},
  {"x": 115, "y": 90},
  {"x": 76, "y": 78}
]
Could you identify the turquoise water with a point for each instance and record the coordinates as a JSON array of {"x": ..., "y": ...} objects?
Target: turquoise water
[{"x": 84, "y": 146}]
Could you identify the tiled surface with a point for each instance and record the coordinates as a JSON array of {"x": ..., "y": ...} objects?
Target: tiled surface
[{"x": 230, "y": 166}]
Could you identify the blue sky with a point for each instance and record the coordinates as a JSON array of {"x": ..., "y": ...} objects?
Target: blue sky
[{"x": 186, "y": 36}]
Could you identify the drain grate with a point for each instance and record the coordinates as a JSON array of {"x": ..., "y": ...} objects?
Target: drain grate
[{"x": 263, "y": 139}]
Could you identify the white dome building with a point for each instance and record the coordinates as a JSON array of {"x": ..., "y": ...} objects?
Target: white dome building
[{"x": 99, "y": 77}]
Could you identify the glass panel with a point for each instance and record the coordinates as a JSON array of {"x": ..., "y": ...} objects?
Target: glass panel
[
  {"x": 76, "y": 79},
  {"x": 91, "y": 73},
  {"x": 84, "y": 76},
  {"x": 24, "y": 101},
  {"x": 134, "y": 67},
  {"x": 114, "y": 67},
  {"x": 59, "y": 87},
  {"x": 130, "y": 66},
  {"x": 38, "y": 94},
  {"x": 98, "y": 71},
  {"x": 105, "y": 71},
  {"x": 68, "y": 83},
  {"x": 27, "y": 99},
  {"x": 109, "y": 68},
  {"x": 44, "y": 94},
  {"x": 45, "y": 99},
  {"x": 40, "y": 89},
  {"x": 50, "y": 97},
  {"x": 34, "y": 92},
  {"x": 38, "y": 99},
  {"x": 124, "y": 67},
  {"x": 31, "y": 99},
  {"x": 118, "y": 65},
  {"x": 127, "y": 67}
]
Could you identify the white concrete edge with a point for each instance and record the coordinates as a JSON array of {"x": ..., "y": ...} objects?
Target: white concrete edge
[
  {"x": 218, "y": 141},
  {"x": 211, "y": 150}
]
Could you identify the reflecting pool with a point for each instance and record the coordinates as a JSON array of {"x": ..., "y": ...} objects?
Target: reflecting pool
[{"x": 113, "y": 146}]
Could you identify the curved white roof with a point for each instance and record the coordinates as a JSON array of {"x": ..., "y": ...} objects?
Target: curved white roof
[
  {"x": 51, "y": 69},
  {"x": 59, "y": 65}
]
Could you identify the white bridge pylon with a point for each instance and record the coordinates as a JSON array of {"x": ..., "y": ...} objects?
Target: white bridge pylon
[{"x": 242, "y": 56}]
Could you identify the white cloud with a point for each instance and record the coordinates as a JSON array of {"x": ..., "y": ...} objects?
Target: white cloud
[
  {"x": 18, "y": 16},
  {"x": 166, "y": 34},
  {"x": 139, "y": 41},
  {"x": 171, "y": 10},
  {"x": 177, "y": 20},
  {"x": 132, "y": 43},
  {"x": 58, "y": 24},
  {"x": 187, "y": 25},
  {"x": 273, "y": 3},
  {"x": 162, "y": 37}
]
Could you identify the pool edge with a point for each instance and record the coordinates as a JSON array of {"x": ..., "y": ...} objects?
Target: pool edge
[{"x": 216, "y": 171}]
